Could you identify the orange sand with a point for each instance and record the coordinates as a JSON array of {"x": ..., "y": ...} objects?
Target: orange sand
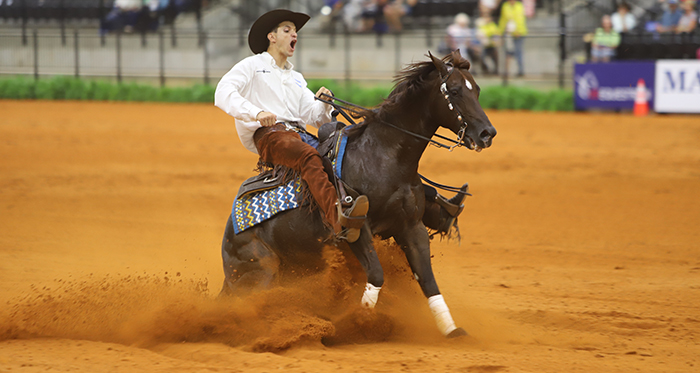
[{"x": 580, "y": 251}]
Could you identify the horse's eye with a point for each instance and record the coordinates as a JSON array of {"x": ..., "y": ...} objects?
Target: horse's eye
[{"x": 454, "y": 91}]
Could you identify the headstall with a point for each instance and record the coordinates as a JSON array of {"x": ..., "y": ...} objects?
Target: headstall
[
  {"x": 463, "y": 127},
  {"x": 355, "y": 109}
]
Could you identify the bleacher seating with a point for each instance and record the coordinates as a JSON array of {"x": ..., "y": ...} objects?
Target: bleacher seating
[
  {"x": 37, "y": 10},
  {"x": 77, "y": 10},
  {"x": 444, "y": 8},
  {"x": 651, "y": 46}
]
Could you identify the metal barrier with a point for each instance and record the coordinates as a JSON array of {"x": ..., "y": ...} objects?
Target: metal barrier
[{"x": 199, "y": 56}]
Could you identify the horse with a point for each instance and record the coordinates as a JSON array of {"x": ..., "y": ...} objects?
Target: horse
[{"x": 381, "y": 161}]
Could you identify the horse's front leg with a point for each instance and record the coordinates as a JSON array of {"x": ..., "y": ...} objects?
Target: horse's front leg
[
  {"x": 416, "y": 244},
  {"x": 367, "y": 256}
]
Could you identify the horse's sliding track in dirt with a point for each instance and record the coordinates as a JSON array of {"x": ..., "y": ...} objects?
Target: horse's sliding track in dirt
[{"x": 580, "y": 251}]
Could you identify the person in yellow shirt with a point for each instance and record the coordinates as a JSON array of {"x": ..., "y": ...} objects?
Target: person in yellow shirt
[
  {"x": 512, "y": 24},
  {"x": 489, "y": 36}
]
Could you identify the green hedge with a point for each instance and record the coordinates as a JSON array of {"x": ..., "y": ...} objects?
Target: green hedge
[
  {"x": 520, "y": 98},
  {"x": 68, "y": 88}
]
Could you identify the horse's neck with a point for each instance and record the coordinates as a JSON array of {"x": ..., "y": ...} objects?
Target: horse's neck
[{"x": 409, "y": 149}]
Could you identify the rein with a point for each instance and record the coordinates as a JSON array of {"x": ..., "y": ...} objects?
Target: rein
[{"x": 353, "y": 108}]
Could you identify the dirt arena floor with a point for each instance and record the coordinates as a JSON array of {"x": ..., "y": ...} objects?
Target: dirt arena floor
[{"x": 580, "y": 251}]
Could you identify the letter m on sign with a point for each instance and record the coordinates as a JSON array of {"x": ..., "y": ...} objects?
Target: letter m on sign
[{"x": 670, "y": 84}]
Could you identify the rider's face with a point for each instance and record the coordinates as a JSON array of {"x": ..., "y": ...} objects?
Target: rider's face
[{"x": 283, "y": 40}]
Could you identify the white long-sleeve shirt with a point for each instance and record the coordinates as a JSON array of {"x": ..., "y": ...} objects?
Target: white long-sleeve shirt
[{"x": 257, "y": 84}]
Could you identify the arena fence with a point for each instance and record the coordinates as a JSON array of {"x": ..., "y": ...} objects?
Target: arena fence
[{"x": 171, "y": 55}]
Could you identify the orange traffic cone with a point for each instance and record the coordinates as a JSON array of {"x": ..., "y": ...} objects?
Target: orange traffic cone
[{"x": 641, "y": 106}]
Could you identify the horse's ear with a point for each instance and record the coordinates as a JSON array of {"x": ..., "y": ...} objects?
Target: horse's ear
[
  {"x": 439, "y": 65},
  {"x": 458, "y": 60}
]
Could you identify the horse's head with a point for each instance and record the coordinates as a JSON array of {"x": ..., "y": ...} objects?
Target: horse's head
[{"x": 455, "y": 100}]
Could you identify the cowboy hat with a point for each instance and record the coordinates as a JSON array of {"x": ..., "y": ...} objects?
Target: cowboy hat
[{"x": 257, "y": 37}]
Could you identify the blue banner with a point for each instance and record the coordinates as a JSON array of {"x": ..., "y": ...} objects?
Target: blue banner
[{"x": 611, "y": 85}]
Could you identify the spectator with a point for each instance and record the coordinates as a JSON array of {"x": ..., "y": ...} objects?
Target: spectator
[
  {"x": 130, "y": 15},
  {"x": 330, "y": 13},
  {"x": 623, "y": 20},
  {"x": 394, "y": 10},
  {"x": 351, "y": 13},
  {"x": 373, "y": 16},
  {"x": 512, "y": 25},
  {"x": 489, "y": 37},
  {"x": 670, "y": 17},
  {"x": 123, "y": 16},
  {"x": 604, "y": 42},
  {"x": 487, "y": 7},
  {"x": 688, "y": 20},
  {"x": 459, "y": 36}
]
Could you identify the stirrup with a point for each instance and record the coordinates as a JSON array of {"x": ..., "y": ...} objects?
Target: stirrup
[
  {"x": 453, "y": 207},
  {"x": 353, "y": 218}
]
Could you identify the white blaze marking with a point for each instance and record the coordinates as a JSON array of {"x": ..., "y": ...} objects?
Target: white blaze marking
[{"x": 469, "y": 85}]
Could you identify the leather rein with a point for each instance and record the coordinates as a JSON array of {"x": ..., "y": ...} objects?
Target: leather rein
[{"x": 356, "y": 109}]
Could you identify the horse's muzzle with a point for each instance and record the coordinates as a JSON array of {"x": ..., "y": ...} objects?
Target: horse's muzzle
[{"x": 486, "y": 136}]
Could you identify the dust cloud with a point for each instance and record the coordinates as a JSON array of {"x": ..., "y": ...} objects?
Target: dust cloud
[{"x": 150, "y": 309}]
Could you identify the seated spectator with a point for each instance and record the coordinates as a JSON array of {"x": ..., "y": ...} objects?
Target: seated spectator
[
  {"x": 459, "y": 36},
  {"x": 351, "y": 13},
  {"x": 604, "y": 41},
  {"x": 330, "y": 13},
  {"x": 383, "y": 15},
  {"x": 688, "y": 20},
  {"x": 394, "y": 10},
  {"x": 490, "y": 38},
  {"x": 623, "y": 20},
  {"x": 130, "y": 15},
  {"x": 373, "y": 16},
  {"x": 670, "y": 17}
]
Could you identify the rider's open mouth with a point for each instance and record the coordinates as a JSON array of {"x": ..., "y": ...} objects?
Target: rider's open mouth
[{"x": 293, "y": 43}]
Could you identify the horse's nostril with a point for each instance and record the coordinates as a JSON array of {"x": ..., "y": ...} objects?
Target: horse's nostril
[{"x": 486, "y": 135}]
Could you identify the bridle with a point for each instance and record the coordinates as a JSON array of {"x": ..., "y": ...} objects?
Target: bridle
[
  {"x": 356, "y": 109},
  {"x": 342, "y": 107},
  {"x": 463, "y": 127}
]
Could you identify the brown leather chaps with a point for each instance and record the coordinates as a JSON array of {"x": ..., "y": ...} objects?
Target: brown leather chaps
[{"x": 278, "y": 146}]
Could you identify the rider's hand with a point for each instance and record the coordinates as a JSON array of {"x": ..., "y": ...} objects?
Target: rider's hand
[
  {"x": 266, "y": 119},
  {"x": 324, "y": 90}
]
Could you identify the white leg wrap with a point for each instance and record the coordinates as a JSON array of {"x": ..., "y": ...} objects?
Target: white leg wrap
[
  {"x": 442, "y": 314},
  {"x": 369, "y": 298}
]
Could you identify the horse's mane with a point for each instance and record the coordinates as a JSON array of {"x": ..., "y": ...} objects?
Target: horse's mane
[{"x": 411, "y": 80}]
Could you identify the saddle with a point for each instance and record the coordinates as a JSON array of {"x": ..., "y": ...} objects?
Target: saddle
[
  {"x": 268, "y": 179},
  {"x": 329, "y": 142},
  {"x": 276, "y": 189}
]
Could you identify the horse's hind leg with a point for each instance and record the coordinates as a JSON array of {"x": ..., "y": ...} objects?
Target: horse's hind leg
[
  {"x": 367, "y": 256},
  {"x": 249, "y": 263}
]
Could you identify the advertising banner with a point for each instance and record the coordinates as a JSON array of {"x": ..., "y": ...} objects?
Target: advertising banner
[
  {"x": 677, "y": 87},
  {"x": 611, "y": 85}
]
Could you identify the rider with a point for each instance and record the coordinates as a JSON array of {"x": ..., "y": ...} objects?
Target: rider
[{"x": 272, "y": 107}]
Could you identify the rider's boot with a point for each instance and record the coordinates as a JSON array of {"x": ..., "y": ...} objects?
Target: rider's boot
[
  {"x": 285, "y": 148},
  {"x": 441, "y": 213},
  {"x": 353, "y": 218}
]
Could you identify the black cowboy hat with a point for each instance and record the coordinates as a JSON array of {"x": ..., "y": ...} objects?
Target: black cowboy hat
[{"x": 257, "y": 37}]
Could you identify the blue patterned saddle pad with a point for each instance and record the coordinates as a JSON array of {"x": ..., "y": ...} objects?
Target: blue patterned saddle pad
[{"x": 253, "y": 208}]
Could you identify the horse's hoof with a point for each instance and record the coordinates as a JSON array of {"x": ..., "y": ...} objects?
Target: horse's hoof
[{"x": 459, "y": 332}]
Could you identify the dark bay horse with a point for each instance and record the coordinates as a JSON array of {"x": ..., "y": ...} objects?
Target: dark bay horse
[{"x": 381, "y": 162}]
